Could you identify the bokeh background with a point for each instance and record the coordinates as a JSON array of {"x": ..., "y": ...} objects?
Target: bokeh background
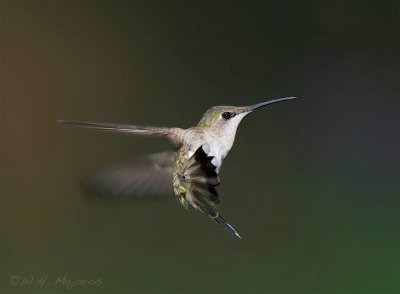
[{"x": 312, "y": 185}]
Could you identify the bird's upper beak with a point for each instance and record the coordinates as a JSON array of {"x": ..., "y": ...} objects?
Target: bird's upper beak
[{"x": 262, "y": 104}]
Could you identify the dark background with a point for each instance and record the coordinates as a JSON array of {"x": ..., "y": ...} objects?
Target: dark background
[{"x": 312, "y": 185}]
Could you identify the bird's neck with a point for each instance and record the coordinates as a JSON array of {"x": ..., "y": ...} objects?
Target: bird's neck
[{"x": 223, "y": 140}]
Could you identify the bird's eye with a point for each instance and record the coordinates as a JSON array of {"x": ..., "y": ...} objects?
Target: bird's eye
[{"x": 227, "y": 115}]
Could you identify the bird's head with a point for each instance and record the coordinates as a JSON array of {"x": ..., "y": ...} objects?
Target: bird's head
[{"x": 226, "y": 119}]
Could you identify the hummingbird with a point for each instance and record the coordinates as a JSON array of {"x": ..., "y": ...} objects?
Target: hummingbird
[{"x": 191, "y": 172}]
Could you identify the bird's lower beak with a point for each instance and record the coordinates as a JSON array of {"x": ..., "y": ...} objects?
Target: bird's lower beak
[{"x": 262, "y": 104}]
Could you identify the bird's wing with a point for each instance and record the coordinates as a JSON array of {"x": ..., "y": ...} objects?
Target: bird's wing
[
  {"x": 149, "y": 177},
  {"x": 201, "y": 177},
  {"x": 175, "y": 135}
]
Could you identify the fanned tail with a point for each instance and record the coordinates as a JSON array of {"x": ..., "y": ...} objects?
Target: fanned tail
[
  {"x": 202, "y": 176},
  {"x": 220, "y": 220}
]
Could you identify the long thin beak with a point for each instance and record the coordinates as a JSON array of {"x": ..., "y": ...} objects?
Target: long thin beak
[{"x": 262, "y": 104}]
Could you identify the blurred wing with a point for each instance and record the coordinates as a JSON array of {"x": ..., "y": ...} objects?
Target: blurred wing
[{"x": 149, "y": 177}]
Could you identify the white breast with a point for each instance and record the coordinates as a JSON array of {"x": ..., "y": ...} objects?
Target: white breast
[{"x": 216, "y": 146}]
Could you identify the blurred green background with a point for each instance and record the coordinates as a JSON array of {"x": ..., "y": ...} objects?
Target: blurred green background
[{"x": 312, "y": 185}]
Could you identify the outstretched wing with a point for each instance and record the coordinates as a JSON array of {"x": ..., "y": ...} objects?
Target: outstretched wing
[
  {"x": 201, "y": 177},
  {"x": 149, "y": 177},
  {"x": 175, "y": 135}
]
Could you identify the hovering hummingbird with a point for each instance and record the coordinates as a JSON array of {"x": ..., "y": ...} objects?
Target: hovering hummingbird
[{"x": 191, "y": 172}]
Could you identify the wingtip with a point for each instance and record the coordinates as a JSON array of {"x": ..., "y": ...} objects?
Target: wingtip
[{"x": 63, "y": 121}]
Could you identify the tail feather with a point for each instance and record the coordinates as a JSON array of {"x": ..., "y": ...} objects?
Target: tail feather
[
  {"x": 202, "y": 176},
  {"x": 220, "y": 220}
]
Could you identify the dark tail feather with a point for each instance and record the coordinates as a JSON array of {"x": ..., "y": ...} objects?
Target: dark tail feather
[{"x": 220, "y": 220}]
